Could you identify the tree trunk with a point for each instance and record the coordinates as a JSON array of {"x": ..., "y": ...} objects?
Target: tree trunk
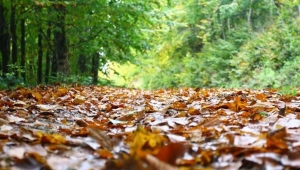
[
  {"x": 40, "y": 56},
  {"x": 249, "y": 17},
  {"x": 95, "y": 67},
  {"x": 81, "y": 63},
  {"x": 13, "y": 31},
  {"x": 4, "y": 40},
  {"x": 60, "y": 43},
  {"x": 23, "y": 47},
  {"x": 48, "y": 59},
  {"x": 223, "y": 31},
  {"x": 228, "y": 24}
]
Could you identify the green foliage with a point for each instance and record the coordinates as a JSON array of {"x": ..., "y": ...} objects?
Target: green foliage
[
  {"x": 75, "y": 79},
  {"x": 112, "y": 29},
  {"x": 209, "y": 68},
  {"x": 10, "y": 81},
  {"x": 270, "y": 59},
  {"x": 263, "y": 114},
  {"x": 251, "y": 44},
  {"x": 228, "y": 10},
  {"x": 289, "y": 90},
  {"x": 229, "y": 43}
]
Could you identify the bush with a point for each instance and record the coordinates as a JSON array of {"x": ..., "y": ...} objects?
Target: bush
[
  {"x": 270, "y": 59},
  {"x": 10, "y": 81}
]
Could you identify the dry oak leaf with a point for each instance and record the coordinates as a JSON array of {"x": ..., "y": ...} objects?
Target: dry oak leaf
[
  {"x": 171, "y": 152},
  {"x": 180, "y": 106},
  {"x": 101, "y": 137},
  {"x": 159, "y": 165},
  {"x": 78, "y": 100}
]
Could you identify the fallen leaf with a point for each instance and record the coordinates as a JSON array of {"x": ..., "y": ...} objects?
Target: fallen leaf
[
  {"x": 78, "y": 100},
  {"x": 12, "y": 118},
  {"x": 101, "y": 137},
  {"x": 171, "y": 152},
  {"x": 159, "y": 165},
  {"x": 17, "y": 152}
]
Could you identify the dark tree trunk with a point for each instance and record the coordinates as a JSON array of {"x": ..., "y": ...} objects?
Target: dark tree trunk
[
  {"x": 48, "y": 59},
  {"x": 23, "y": 45},
  {"x": 4, "y": 40},
  {"x": 54, "y": 65},
  {"x": 81, "y": 63},
  {"x": 95, "y": 67},
  {"x": 13, "y": 31},
  {"x": 60, "y": 43},
  {"x": 40, "y": 56}
]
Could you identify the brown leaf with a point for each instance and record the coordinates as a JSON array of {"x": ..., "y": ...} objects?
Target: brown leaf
[
  {"x": 179, "y": 106},
  {"x": 149, "y": 108},
  {"x": 206, "y": 157},
  {"x": 262, "y": 97},
  {"x": 159, "y": 165},
  {"x": 276, "y": 139},
  {"x": 103, "y": 153},
  {"x": 78, "y": 100},
  {"x": 101, "y": 137},
  {"x": 171, "y": 152},
  {"x": 292, "y": 159},
  {"x": 238, "y": 104},
  {"x": 193, "y": 111}
]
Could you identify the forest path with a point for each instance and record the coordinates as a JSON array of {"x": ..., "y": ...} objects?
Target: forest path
[{"x": 91, "y": 127}]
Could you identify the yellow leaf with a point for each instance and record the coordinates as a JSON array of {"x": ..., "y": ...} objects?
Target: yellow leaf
[{"x": 143, "y": 139}]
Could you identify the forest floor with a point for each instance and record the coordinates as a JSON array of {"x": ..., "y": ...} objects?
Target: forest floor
[{"x": 89, "y": 127}]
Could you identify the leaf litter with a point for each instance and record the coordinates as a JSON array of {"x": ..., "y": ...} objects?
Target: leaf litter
[{"x": 89, "y": 127}]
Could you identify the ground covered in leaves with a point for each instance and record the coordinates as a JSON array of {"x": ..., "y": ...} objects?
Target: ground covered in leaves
[{"x": 60, "y": 128}]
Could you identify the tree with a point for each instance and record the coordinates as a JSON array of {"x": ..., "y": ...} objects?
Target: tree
[
  {"x": 54, "y": 36},
  {"x": 40, "y": 55},
  {"x": 23, "y": 48},
  {"x": 4, "y": 38},
  {"x": 13, "y": 32},
  {"x": 49, "y": 52},
  {"x": 60, "y": 57},
  {"x": 198, "y": 43}
]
